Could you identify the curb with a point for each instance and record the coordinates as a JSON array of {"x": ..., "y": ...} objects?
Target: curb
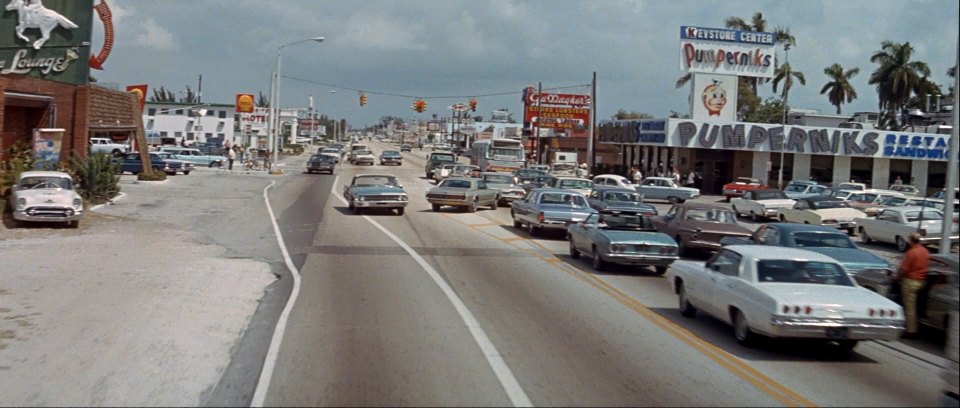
[{"x": 112, "y": 201}]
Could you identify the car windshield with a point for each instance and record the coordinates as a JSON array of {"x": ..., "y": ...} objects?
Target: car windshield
[
  {"x": 375, "y": 181},
  {"x": 28, "y": 183},
  {"x": 626, "y": 221},
  {"x": 390, "y": 153},
  {"x": 863, "y": 198},
  {"x": 576, "y": 184},
  {"x": 498, "y": 178},
  {"x": 769, "y": 195},
  {"x": 623, "y": 196},
  {"x": 164, "y": 155},
  {"x": 745, "y": 180},
  {"x": 914, "y": 216},
  {"x": 827, "y": 204},
  {"x": 562, "y": 198},
  {"x": 800, "y": 271},
  {"x": 808, "y": 239},
  {"x": 711, "y": 215},
  {"x": 455, "y": 184},
  {"x": 447, "y": 166},
  {"x": 361, "y": 152},
  {"x": 796, "y": 188},
  {"x": 334, "y": 151}
]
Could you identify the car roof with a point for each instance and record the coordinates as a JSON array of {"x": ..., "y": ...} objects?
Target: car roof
[
  {"x": 614, "y": 188},
  {"x": 373, "y": 175},
  {"x": 658, "y": 178},
  {"x": 39, "y": 173},
  {"x": 815, "y": 199},
  {"x": 554, "y": 190},
  {"x": 910, "y": 208},
  {"x": 765, "y": 190},
  {"x": 496, "y": 173},
  {"x": 616, "y": 176},
  {"x": 775, "y": 252},
  {"x": 706, "y": 206},
  {"x": 790, "y": 227},
  {"x": 571, "y": 178}
]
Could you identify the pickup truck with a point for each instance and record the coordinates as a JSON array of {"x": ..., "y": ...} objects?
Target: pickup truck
[
  {"x": 894, "y": 225},
  {"x": 437, "y": 159},
  {"x": 108, "y": 146}
]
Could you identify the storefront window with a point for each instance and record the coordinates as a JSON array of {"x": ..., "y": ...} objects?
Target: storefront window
[
  {"x": 821, "y": 168},
  {"x": 861, "y": 169},
  {"x": 900, "y": 168},
  {"x": 936, "y": 177},
  {"x": 775, "y": 168}
]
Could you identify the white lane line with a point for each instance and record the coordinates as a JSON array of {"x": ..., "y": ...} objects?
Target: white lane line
[
  {"x": 266, "y": 373},
  {"x": 509, "y": 383}
]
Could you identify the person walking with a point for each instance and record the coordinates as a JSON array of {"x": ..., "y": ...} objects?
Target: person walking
[
  {"x": 913, "y": 275},
  {"x": 637, "y": 176},
  {"x": 230, "y": 157}
]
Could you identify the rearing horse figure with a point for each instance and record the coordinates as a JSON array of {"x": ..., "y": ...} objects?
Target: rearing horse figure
[{"x": 34, "y": 15}]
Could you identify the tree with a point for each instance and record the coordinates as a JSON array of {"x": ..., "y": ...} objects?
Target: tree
[
  {"x": 262, "y": 100},
  {"x": 191, "y": 97},
  {"x": 759, "y": 24},
  {"x": 162, "y": 95},
  {"x": 785, "y": 74},
  {"x": 770, "y": 111},
  {"x": 624, "y": 115},
  {"x": 839, "y": 90},
  {"x": 897, "y": 77}
]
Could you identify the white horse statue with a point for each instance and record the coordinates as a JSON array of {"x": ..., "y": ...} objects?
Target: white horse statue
[{"x": 34, "y": 15}]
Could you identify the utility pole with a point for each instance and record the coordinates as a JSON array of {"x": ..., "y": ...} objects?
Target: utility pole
[
  {"x": 591, "y": 146},
  {"x": 200, "y": 89},
  {"x": 949, "y": 193},
  {"x": 537, "y": 127}
]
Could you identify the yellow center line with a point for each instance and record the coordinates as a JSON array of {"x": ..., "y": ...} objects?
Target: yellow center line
[
  {"x": 736, "y": 366},
  {"x": 489, "y": 224}
]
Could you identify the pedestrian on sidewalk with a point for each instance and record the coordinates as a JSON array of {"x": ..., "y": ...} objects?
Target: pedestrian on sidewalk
[{"x": 913, "y": 275}]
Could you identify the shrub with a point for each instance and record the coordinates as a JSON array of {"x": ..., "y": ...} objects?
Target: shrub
[
  {"x": 97, "y": 177},
  {"x": 152, "y": 176},
  {"x": 21, "y": 160}
]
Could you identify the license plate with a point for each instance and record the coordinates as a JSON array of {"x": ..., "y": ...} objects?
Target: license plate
[{"x": 838, "y": 333}]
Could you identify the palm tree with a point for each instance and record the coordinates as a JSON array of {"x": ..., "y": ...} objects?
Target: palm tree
[
  {"x": 897, "y": 77},
  {"x": 839, "y": 90},
  {"x": 262, "y": 100},
  {"x": 758, "y": 23},
  {"x": 786, "y": 75}
]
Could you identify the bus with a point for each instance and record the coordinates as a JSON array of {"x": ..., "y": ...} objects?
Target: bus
[{"x": 497, "y": 154}]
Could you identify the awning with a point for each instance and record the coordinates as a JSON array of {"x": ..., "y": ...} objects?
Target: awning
[{"x": 26, "y": 100}]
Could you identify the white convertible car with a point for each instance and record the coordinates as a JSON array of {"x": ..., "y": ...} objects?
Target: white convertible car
[
  {"x": 761, "y": 203},
  {"x": 822, "y": 210},
  {"x": 784, "y": 292},
  {"x": 46, "y": 196}
]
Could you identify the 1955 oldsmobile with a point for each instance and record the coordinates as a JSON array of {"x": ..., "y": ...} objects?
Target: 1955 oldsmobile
[{"x": 46, "y": 196}]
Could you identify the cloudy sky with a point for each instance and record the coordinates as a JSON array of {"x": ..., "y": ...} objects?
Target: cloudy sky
[{"x": 448, "y": 51}]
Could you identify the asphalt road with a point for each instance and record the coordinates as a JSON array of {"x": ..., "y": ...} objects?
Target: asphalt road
[{"x": 455, "y": 308}]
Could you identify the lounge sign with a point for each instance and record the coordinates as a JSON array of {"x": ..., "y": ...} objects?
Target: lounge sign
[
  {"x": 777, "y": 138},
  {"x": 49, "y": 39}
]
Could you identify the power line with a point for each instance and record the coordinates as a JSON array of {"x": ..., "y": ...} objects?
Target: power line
[{"x": 345, "y": 88}]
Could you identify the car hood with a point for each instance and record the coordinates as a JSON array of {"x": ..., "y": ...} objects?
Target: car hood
[
  {"x": 376, "y": 190},
  {"x": 43, "y": 195},
  {"x": 840, "y": 213},
  {"x": 777, "y": 203},
  {"x": 628, "y": 206},
  {"x": 644, "y": 237},
  {"x": 852, "y": 259},
  {"x": 504, "y": 186},
  {"x": 719, "y": 228},
  {"x": 827, "y": 295}
]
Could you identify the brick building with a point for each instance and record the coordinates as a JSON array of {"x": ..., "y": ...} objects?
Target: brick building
[{"x": 83, "y": 111}]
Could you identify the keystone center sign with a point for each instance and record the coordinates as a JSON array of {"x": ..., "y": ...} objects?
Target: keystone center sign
[
  {"x": 49, "y": 40},
  {"x": 727, "y": 52}
]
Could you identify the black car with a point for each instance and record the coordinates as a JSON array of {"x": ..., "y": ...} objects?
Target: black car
[
  {"x": 320, "y": 163},
  {"x": 159, "y": 161}
]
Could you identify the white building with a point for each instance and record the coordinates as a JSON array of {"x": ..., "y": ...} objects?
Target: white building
[{"x": 181, "y": 123}]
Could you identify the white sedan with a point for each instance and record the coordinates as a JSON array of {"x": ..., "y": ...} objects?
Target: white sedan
[
  {"x": 46, "y": 196},
  {"x": 822, "y": 210},
  {"x": 761, "y": 203},
  {"x": 784, "y": 292}
]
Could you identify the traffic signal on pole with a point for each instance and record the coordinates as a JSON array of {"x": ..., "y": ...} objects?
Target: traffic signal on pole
[
  {"x": 419, "y": 105},
  {"x": 363, "y": 99},
  {"x": 473, "y": 105}
]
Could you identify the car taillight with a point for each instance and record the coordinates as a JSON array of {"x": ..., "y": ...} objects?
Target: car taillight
[
  {"x": 797, "y": 309},
  {"x": 540, "y": 217}
]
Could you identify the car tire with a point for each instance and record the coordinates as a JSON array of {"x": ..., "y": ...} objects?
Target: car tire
[
  {"x": 436, "y": 208},
  {"x": 532, "y": 229},
  {"x": 901, "y": 244},
  {"x": 472, "y": 207},
  {"x": 851, "y": 231},
  {"x": 735, "y": 212},
  {"x": 782, "y": 218},
  {"x": 350, "y": 205},
  {"x": 864, "y": 237},
  {"x": 673, "y": 199},
  {"x": 516, "y": 223},
  {"x": 400, "y": 211},
  {"x": 681, "y": 247},
  {"x": 741, "y": 329},
  {"x": 660, "y": 270},
  {"x": 847, "y": 345},
  {"x": 686, "y": 308},
  {"x": 753, "y": 217},
  {"x": 574, "y": 253},
  {"x": 186, "y": 173},
  {"x": 495, "y": 203},
  {"x": 598, "y": 263},
  {"x": 73, "y": 224}
]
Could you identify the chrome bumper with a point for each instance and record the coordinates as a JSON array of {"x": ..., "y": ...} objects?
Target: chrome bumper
[
  {"x": 836, "y": 329},
  {"x": 641, "y": 259},
  {"x": 380, "y": 204},
  {"x": 47, "y": 214}
]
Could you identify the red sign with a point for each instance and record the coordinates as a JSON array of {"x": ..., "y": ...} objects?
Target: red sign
[
  {"x": 553, "y": 117},
  {"x": 140, "y": 91},
  {"x": 557, "y": 99}
]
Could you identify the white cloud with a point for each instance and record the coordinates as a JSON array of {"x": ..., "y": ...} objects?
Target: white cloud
[
  {"x": 153, "y": 35},
  {"x": 380, "y": 32}
]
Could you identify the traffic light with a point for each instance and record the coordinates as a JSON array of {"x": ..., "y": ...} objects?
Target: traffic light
[
  {"x": 473, "y": 105},
  {"x": 363, "y": 99},
  {"x": 419, "y": 105}
]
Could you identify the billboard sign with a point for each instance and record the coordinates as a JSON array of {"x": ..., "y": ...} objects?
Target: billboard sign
[
  {"x": 555, "y": 111},
  {"x": 49, "y": 40},
  {"x": 727, "y": 52},
  {"x": 714, "y": 98}
]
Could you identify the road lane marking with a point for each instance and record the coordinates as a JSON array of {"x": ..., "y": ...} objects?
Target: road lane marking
[
  {"x": 507, "y": 380},
  {"x": 270, "y": 362},
  {"x": 736, "y": 366}
]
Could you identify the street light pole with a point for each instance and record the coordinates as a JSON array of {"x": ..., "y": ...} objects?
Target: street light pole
[
  {"x": 949, "y": 193},
  {"x": 274, "y": 104}
]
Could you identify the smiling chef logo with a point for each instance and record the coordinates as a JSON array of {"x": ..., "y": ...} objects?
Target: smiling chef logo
[{"x": 714, "y": 98}]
